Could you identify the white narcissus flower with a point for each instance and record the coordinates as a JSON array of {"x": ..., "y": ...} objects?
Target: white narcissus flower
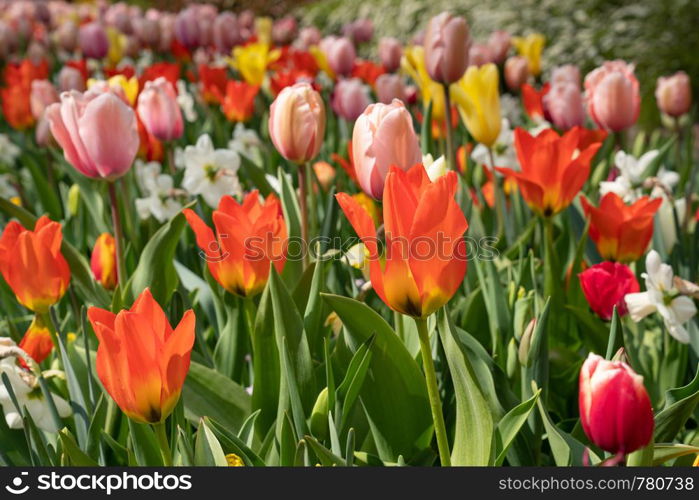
[
  {"x": 662, "y": 297},
  {"x": 27, "y": 392},
  {"x": 627, "y": 185},
  {"x": 435, "y": 168},
  {"x": 158, "y": 188},
  {"x": 186, "y": 102},
  {"x": 211, "y": 173},
  {"x": 244, "y": 141},
  {"x": 8, "y": 151},
  {"x": 504, "y": 153}
]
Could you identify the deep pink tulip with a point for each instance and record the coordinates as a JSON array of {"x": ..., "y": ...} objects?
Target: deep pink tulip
[
  {"x": 226, "y": 32},
  {"x": 499, "y": 43},
  {"x": 390, "y": 53},
  {"x": 566, "y": 73},
  {"x": 340, "y": 54},
  {"x": 605, "y": 285},
  {"x": 297, "y": 122},
  {"x": 613, "y": 96},
  {"x": 383, "y": 136},
  {"x": 350, "y": 99},
  {"x": 187, "y": 28},
  {"x": 97, "y": 132},
  {"x": 447, "y": 42},
  {"x": 42, "y": 94},
  {"x": 70, "y": 79},
  {"x": 615, "y": 410},
  {"x": 390, "y": 86},
  {"x": 479, "y": 54},
  {"x": 564, "y": 105},
  {"x": 516, "y": 72},
  {"x": 93, "y": 40},
  {"x": 674, "y": 94},
  {"x": 159, "y": 110}
]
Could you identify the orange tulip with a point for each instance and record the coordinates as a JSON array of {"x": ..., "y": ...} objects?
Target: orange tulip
[
  {"x": 552, "y": 170},
  {"x": 16, "y": 107},
  {"x": 248, "y": 237},
  {"x": 103, "y": 261},
  {"x": 621, "y": 232},
  {"x": 37, "y": 341},
  {"x": 212, "y": 82},
  {"x": 239, "y": 102},
  {"x": 425, "y": 260},
  {"x": 141, "y": 361},
  {"x": 32, "y": 264},
  {"x": 533, "y": 100}
]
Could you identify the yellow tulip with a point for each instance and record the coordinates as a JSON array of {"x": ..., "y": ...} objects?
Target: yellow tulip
[
  {"x": 263, "y": 29},
  {"x": 413, "y": 63},
  {"x": 251, "y": 61},
  {"x": 478, "y": 99},
  {"x": 321, "y": 60},
  {"x": 128, "y": 85},
  {"x": 530, "y": 47},
  {"x": 117, "y": 45}
]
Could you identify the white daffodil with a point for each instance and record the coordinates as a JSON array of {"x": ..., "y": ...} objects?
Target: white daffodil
[
  {"x": 160, "y": 196},
  {"x": 245, "y": 141},
  {"x": 511, "y": 109},
  {"x": 662, "y": 296},
  {"x": 627, "y": 185},
  {"x": 186, "y": 102},
  {"x": 27, "y": 391},
  {"x": 435, "y": 168},
  {"x": 211, "y": 173},
  {"x": 504, "y": 153},
  {"x": 8, "y": 151}
]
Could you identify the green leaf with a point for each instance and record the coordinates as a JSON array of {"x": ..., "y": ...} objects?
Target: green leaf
[
  {"x": 265, "y": 363},
  {"x": 326, "y": 457},
  {"x": 349, "y": 389},
  {"x": 474, "y": 422},
  {"x": 207, "y": 392},
  {"x": 292, "y": 215},
  {"x": 207, "y": 449},
  {"x": 510, "y": 425},
  {"x": 256, "y": 175},
  {"x": 395, "y": 383},
  {"x": 679, "y": 407},
  {"x": 144, "y": 445},
  {"x": 77, "y": 457},
  {"x": 46, "y": 194},
  {"x": 426, "y": 130},
  {"x": 663, "y": 452},
  {"x": 233, "y": 444},
  {"x": 652, "y": 169}
]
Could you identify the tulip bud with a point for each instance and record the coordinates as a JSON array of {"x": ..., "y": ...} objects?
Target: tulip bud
[
  {"x": 516, "y": 72},
  {"x": 605, "y": 285},
  {"x": 340, "y": 54},
  {"x": 103, "y": 261},
  {"x": 93, "y": 40},
  {"x": 325, "y": 173},
  {"x": 297, "y": 122},
  {"x": 226, "y": 32},
  {"x": 613, "y": 96},
  {"x": 159, "y": 110},
  {"x": 389, "y": 87},
  {"x": 70, "y": 79},
  {"x": 187, "y": 28},
  {"x": 525, "y": 343},
  {"x": 148, "y": 31},
  {"x": 383, "y": 136},
  {"x": 350, "y": 99},
  {"x": 359, "y": 31},
  {"x": 319, "y": 415},
  {"x": 567, "y": 73},
  {"x": 499, "y": 43},
  {"x": 42, "y": 94},
  {"x": 615, "y": 410},
  {"x": 674, "y": 94},
  {"x": 390, "y": 53},
  {"x": 446, "y": 43},
  {"x": 564, "y": 105},
  {"x": 73, "y": 199}
]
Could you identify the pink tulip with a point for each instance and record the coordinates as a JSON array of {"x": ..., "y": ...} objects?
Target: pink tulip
[
  {"x": 309, "y": 36},
  {"x": 42, "y": 133},
  {"x": 66, "y": 36},
  {"x": 605, "y": 285},
  {"x": 340, "y": 54},
  {"x": 612, "y": 95},
  {"x": 350, "y": 99},
  {"x": 674, "y": 94},
  {"x": 297, "y": 122},
  {"x": 284, "y": 30},
  {"x": 97, "y": 132},
  {"x": 359, "y": 31},
  {"x": 479, "y": 54},
  {"x": 390, "y": 53},
  {"x": 564, "y": 105},
  {"x": 187, "y": 28},
  {"x": 93, "y": 40},
  {"x": 499, "y": 43},
  {"x": 566, "y": 73},
  {"x": 383, "y": 136},
  {"x": 615, "y": 409},
  {"x": 70, "y": 79},
  {"x": 167, "y": 31},
  {"x": 226, "y": 32},
  {"x": 516, "y": 72},
  {"x": 147, "y": 30},
  {"x": 159, "y": 110},
  {"x": 446, "y": 43},
  {"x": 388, "y": 87},
  {"x": 42, "y": 94}
]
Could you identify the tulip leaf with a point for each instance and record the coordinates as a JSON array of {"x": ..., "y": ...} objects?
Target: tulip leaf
[
  {"x": 76, "y": 457},
  {"x": 510, "y": 425},
  {"x": 394, "y": 385},
  {"x": 256, "y": 175},
  {"x": 349, "y": 389},
  {"x": 46, "y": 194},
  {"x": 474, "y": 421},
  {"x": 207, "y": 392},
  {"x": 326, "y": 457},
  {"x": 662, "y": 452},
  {"x": 234, "y": 444},
  {"x": 652, "y": 169},
  {"x": 679, "y": 407},
  {"x": 293, "y": 268},
  {"x": 426, "y": 130},
  {"x": 207, "y": 449},
  {"x": 144, "y": 445}
]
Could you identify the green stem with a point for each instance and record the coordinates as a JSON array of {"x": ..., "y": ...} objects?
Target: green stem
[
  {"x": 451, "y": 164},
  {"x": 303, "y": 207},
  {"x": 118, "y": 234},
  {"x": 161, "y": 433},
  {"x": 440, "y": 429},
  {"x": 551, "y": 269},
  {"x": 498, "y": 196}
]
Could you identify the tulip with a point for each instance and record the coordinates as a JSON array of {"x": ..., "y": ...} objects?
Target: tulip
[
  {"x": 564, "y": 105},
  {"x": 98, "y": 133},
  {"x": 359, "y": 31},
  {"x": 249, "y": 236},
  {"x": 390, "y": 52},
  {"x": 446, "y": 43},
  {"x": 674, "y": 94},
  {"x": 516, "y": 72},
  {"x": 66, "y": 36},
  {"x": 621, "y": 232},
  {"x": 309, "y": 36},
  {"x": 141, "y": 361},
  {"x": 37, "y": 342},
  {"x": 350, "y": 99},
  {"x": 70, "y": 79},
  {"x": 553, "y": 170},
  {"x": 383, "y": 136},
  {"x": 252, "y": 61},
  {"x": 499, "y": 43},
  {"x": 32, "y": 264},
  {"x": 615, "y": 409},
  {"x": 566, "y": 73},
  {"x": 284, "y": 30},
  {"x": 16, "y": 107},
  {"x": 297, "y": 123},
  {"x": 238, "y": 104},
  {"x": 42, "y": 133},
  {"x": 479, "y": 54},
  {"x": 340, "y": 54},
  {"x": 533, "y": 101},
  {"x": 187, "y": 28},
  {"x": 325, "y": 173},
  {"x": 605, "y": 285},
  {"x": 159, "y": 111},
  {"x": 613, "y": 96},
  {"x": 389, "y": 87},
  {"x": 103, "y": 261},
  {"x": 93, "y": 40},
  {"x": 531, "y": 47},
  {"x": 413, "y": 63},
  {"x": 477, "y": 96},
  {"x": 226, "y": 32},
  {"x": 147, "y": 31}
]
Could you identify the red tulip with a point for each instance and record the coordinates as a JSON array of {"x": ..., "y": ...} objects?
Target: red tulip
[{"x": 605, "y": 285}]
